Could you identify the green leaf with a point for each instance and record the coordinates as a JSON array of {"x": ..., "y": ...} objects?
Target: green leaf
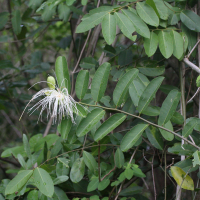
[
  {"x": 161, "y": 9},
  {"x": 169, "y": 107},
  {"x": 137, "y": 87},
  {"x": 196, "y": 160},
  {"x": 125, "y": 25},
  {"x": 154, "y": 137},
  {"x": 90, "y": 162},
  {"x": 59, "y": 194},
  {"x": 173, "y": 18},
  {"x": 64, "y": 161},
  {"x": 151, "y": 111},
  {"x": 89, "y": 122},
  {"x": 99, "y": 81},
  {"x": 151, "y": 44},
  {"x": 65, "y": 127},
  {"x": 93, "y": 184},
  {"x": 27, "y": 147},
  {"x": 147, "y": 14},
  {"x": 103, "y": 184},
  {"x": 167, "y": 135},
  {"x": 140, "y": 26},
  {"x": 191, "y": 20},
  {"x": 109, "y": 28},
  {"x": 123, "y": 85},
  {"x": 130, "y": 191},
  {"x": 16, "y": 21},
  {"x": 4, "y": 16},
  {"x": 129, "y": 173},
  {"x": 48, "y": 13},
  {"x": 149, "y": 93},
  {"x": 43, "y": 181},
  {"x": 64, "y": 12},
  {"x": 177, "y": 118},
  {"x": 165, "y": 41},
  {"x": 119, "y": 158},
  {"x": 62, "y": 73},
  {"x": 21, "y": 161},
  {"x": 178, "y": 44},
  {"x": 33, "y": 195},
  {"x": 18, "y": 182},
  {"x": 91, "y": 22},
  {"x": 88, "y": 63},
  {"x": 188, "y": 128},
  {"x": 185, "y": 41},
  {"x": 109, "y": 125},
  {"x": 82, "y": 84},
  {"x": 77, "y": 171},
  {"x": 60, "y": 179},
  {"x": 81, "y": 111},
  {"x": 182, "y": 180},
  {"x": 132, "y": 136}
]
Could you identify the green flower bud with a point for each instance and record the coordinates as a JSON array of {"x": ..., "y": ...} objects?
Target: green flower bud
[
  {"x": 198, "y": 81},
  {"x": 51, "y": 82}
]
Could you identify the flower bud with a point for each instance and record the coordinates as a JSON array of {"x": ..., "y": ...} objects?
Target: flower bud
[
  {"x": 198, "y": 81},
  {"x": 51, "y": 82}
]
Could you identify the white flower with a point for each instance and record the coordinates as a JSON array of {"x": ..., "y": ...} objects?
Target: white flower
[{"x": 57, "y": 102}]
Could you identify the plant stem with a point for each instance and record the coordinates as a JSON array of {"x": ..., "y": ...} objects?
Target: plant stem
[{"x": 151, "y": 123}]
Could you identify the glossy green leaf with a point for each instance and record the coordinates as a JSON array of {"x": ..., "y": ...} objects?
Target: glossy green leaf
[
  {"x": 64, "y": 161},
  {"x": 82, "y": 81},
  {"x": 169, "y": 107},
  {"x": 16, "y": 21},
  {"x": 18, "y": 182},
  {"x": 93, "y": 184},
  {"x": 151, "y": 44},
  {"x": 33, "y": 195},
  {"x": 4, "y": 16},
  {"x": 109, "y": 28},
  {"x": 123, "y": 85},
  {"x": 81, "y": 110},
  {"x": 91, "y": 22},
  {"x": 165, "y": 41},
  {"x": 77, "y": 171},
  {"x": 125, "y": 25},
  {"x": 99, "y": 81},
  {"x": 154, "y": 137},
  {"x": 151, "y": 111},
  {"x": 167, "y": 135},
  {"x": 182, "y": 180},
  {"x": 59, "y": 194},
  {"x": 140, "y": 26},
  {"x": 60, "y": 179},
  {"x": 149, "y": 93},
  {"x": 185, "y": 41},
  {"x": 137, "y": 87},
  {"x": 119, "y": 158},
  {"x": 65, "y": 127},
  {"x": 21, "y": 161},
  {"x": 161, "y": 9},
  {"x": 196, "y": 160},
  {"x": 43, "y": 181},
  {"x": 27, "y": 146},
  {"x": 109, "y": 125},
  {"x": 90, "y": 121},
  {"x": 62, "y": 73},
  {"x": 103, "y": 184},
  {"x": 90, "y": 162},
  {"x": 191, "y": 20},
  {"x": 64, "y": 12},
  {"x": 129, "y": 173},
  {"x": 177, "y": 118},
  {"x": 177, "y": 44},
  {"x": 188, "y": 128},
  {"x": 147, "y": 14},
  {"x": 132, "y": 136}
]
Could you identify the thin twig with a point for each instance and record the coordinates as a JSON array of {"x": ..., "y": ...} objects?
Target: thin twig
[
  {"x": 193, "y": 49},
  {"x": 48, "y": 127}
]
